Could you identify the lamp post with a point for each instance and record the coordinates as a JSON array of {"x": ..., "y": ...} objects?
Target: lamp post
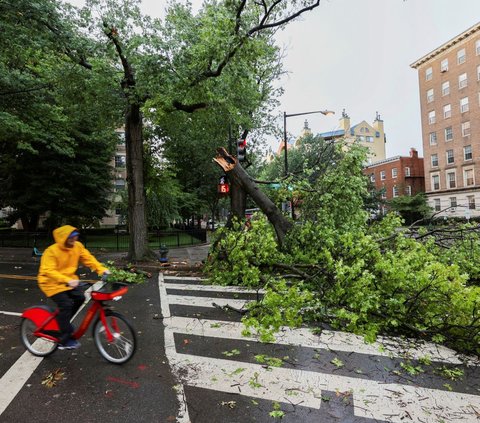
[{"x": 285, "y": 116}]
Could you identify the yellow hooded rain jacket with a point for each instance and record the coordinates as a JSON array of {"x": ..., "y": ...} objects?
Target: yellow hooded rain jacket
[{"x": 59, "y": 263}]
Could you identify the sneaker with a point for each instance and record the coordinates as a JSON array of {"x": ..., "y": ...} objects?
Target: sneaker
[{"x": 71, "y": 344}]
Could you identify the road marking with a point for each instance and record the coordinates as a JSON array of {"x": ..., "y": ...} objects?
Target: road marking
[
  {"x": 213, "y": 288},
  {"x": 205, "y": 301},
  {"x": 372, "y": 398},
  {"x": 170, "y": 350},
  {"x": 331, "y": 340},
  {"x": 10, "y": 313},
  {"x": 305, "y": 387},
  {"x": 29, "y": 278},
  {"x": 15, "y": 377}
]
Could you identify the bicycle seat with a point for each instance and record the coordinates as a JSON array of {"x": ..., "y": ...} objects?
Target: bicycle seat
[{"x": 110, "y": 291}]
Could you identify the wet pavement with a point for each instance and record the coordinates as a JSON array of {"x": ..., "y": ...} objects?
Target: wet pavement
[{"x": 194, "y": 365}]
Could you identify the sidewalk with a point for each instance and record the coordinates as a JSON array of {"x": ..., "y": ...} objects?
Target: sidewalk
[{"x": 182, "y": 258}]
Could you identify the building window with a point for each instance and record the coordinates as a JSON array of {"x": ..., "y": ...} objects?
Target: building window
[
  {"x": 444, "y": 65},
  {"x": 394, "y": 172},
  {"x": 369, "y": 138},
  {"x": 434, "y": 160},
  {"x": 431, "y": 117},
  {"x": 384, "y": 194},
  {"x": 461, "y": 56},
  {"x": 462, "y": 81},
  {"x": 447, "y": 111},
  {"x": 361, "y": 138},
  {"x": 372, "y": 177},
  {"x": 477, "y": 47},
  {"x": 407, "y": 171},
  {"x": 120, "y": 161},
  {"x": 450, "y": 157},
  {"x": 464, "y": 104},
  {"x": 465, "y": 129},
  {"x": 467, "y": 152},
  {"x": 471, "y": 202},
  {"x": 382, "y": 175},
  {"x": 451, "y": 182},
  {"x": 437, "y": 206},
  {"x": 453, "y": 201},
  {"x": 121, "y": 138},
  {"x": 446, "y": 88},
  {"x": 408, "y": 190},
  {"x": 433, "y": 138},
  {"x": 435, "y": 182},
  {"x": 428, "y": 74},
  {"x": 430, "y": 97},
  {"x": 448, "y": 133},
  {"x": 478, "y": 73},
  {"x": 468, "y": 177},
  {"x": 119, "y": 185},
  {"x": 395, "y": 191}
]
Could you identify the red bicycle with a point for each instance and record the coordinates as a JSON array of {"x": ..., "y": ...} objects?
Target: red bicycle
[{"x": 113, "y": 335}]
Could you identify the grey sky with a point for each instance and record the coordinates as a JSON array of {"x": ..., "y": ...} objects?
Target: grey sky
[{"x": 356, "y": 54}]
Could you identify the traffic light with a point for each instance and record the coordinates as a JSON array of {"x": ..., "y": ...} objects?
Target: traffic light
[{"x": 241, "y": 150}]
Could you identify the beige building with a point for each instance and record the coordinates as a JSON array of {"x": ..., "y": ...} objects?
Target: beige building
[
  {"x": 372, "y": 136},
  {"x": 449, "y": 81}
]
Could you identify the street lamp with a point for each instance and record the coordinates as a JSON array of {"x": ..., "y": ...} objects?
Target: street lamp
[{"x": 285, "y": 116}]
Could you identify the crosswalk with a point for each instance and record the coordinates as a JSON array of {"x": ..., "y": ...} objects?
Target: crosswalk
[{"x": 303, "y": 377}]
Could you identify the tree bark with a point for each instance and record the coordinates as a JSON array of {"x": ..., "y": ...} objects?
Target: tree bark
[
  {"x": 238, "y": 200},
  {"x": 237, "y": 175},
  {"x": 137, "y": 221}
]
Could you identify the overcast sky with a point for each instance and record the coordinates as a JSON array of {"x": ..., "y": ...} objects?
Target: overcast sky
[{"x": 356, "y": 55}]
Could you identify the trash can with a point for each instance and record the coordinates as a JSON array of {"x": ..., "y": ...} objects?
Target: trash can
[{"x": 163, "y": 253}]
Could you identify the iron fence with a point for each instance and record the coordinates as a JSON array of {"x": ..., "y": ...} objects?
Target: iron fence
[{"x": 108, "y": 240}]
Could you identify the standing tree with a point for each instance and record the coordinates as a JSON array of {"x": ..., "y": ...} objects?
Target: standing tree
[{"x": 160, "y": 71}]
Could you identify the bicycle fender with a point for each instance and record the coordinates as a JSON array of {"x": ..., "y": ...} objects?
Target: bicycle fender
[{"x": 39, "y": 315}]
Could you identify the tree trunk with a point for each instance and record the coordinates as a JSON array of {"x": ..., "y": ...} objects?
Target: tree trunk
[
  {"x": 238, "y": 175},
  {"x": 238, "y": 200},
  {"x": 137, "y": 221}
]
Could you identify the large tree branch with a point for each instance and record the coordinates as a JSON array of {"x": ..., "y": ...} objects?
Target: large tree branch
[{"x": 236, "y": 172}]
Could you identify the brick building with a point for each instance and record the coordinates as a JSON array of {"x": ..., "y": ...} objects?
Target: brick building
[
  {"x": 397, "y": 176},
  {"x": 449, "y": 81}
]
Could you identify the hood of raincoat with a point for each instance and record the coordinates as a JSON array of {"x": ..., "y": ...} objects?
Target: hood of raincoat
[{"x": 61, "y": 234}]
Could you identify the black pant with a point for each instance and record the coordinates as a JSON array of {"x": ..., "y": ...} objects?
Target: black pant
[{"x": 68, "y": 303}]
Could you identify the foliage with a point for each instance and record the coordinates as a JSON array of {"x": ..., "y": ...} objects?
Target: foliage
[
  {"x": 369, "y": 280},
  {"x": 127, "y": 276},
  {"x": 411, "y": 208}
]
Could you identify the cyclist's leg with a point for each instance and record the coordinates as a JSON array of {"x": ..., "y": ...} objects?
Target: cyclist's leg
[
  {"x": 65, "y": 306},
  {"x": 78, "y": 298}
]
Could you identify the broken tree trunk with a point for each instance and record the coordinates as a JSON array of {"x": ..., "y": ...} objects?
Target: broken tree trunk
[{"x": 237, "y": 174}]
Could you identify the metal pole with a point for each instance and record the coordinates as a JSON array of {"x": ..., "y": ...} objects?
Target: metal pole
[{"x": 285, "y": 141}]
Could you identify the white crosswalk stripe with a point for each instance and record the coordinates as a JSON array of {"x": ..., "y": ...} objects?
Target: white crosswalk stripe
[{"x": 386, "y": 401}]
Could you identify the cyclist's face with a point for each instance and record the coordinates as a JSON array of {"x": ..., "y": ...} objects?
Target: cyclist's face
[{"x": 70, "y": 242}]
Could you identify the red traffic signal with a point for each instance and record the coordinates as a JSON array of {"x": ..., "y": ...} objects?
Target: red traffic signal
[{"x": 241, "y": 150}]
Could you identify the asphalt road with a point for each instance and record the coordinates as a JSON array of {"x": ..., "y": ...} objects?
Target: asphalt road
[
  {"x": 90, "y": 389},
  {"x": 193, "y": 365}
]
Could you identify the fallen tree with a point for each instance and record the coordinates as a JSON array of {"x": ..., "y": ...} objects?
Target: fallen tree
[{"x": 335, "y": 269}]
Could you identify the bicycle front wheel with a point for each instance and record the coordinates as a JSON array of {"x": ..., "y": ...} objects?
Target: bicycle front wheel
[
  {"x": 122, "y": 347},
  {"x": 37, "y": 346}
]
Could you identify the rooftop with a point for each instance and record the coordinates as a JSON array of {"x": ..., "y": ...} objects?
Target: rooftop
[{"x": 446, "y": 46}]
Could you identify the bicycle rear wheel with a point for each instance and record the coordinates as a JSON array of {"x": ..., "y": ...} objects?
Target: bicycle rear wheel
[
  {"x": 123, "y": 345},
  {"x": 37, "y": 346}
]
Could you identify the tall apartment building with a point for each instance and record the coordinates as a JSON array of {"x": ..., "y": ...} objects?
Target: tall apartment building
[
  {"x": 449, "y": 81},
  {"x": 119, "y": 181}
]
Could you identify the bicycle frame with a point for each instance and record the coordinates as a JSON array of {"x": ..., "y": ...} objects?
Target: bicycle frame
[{"x": 45, "y": 318}]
